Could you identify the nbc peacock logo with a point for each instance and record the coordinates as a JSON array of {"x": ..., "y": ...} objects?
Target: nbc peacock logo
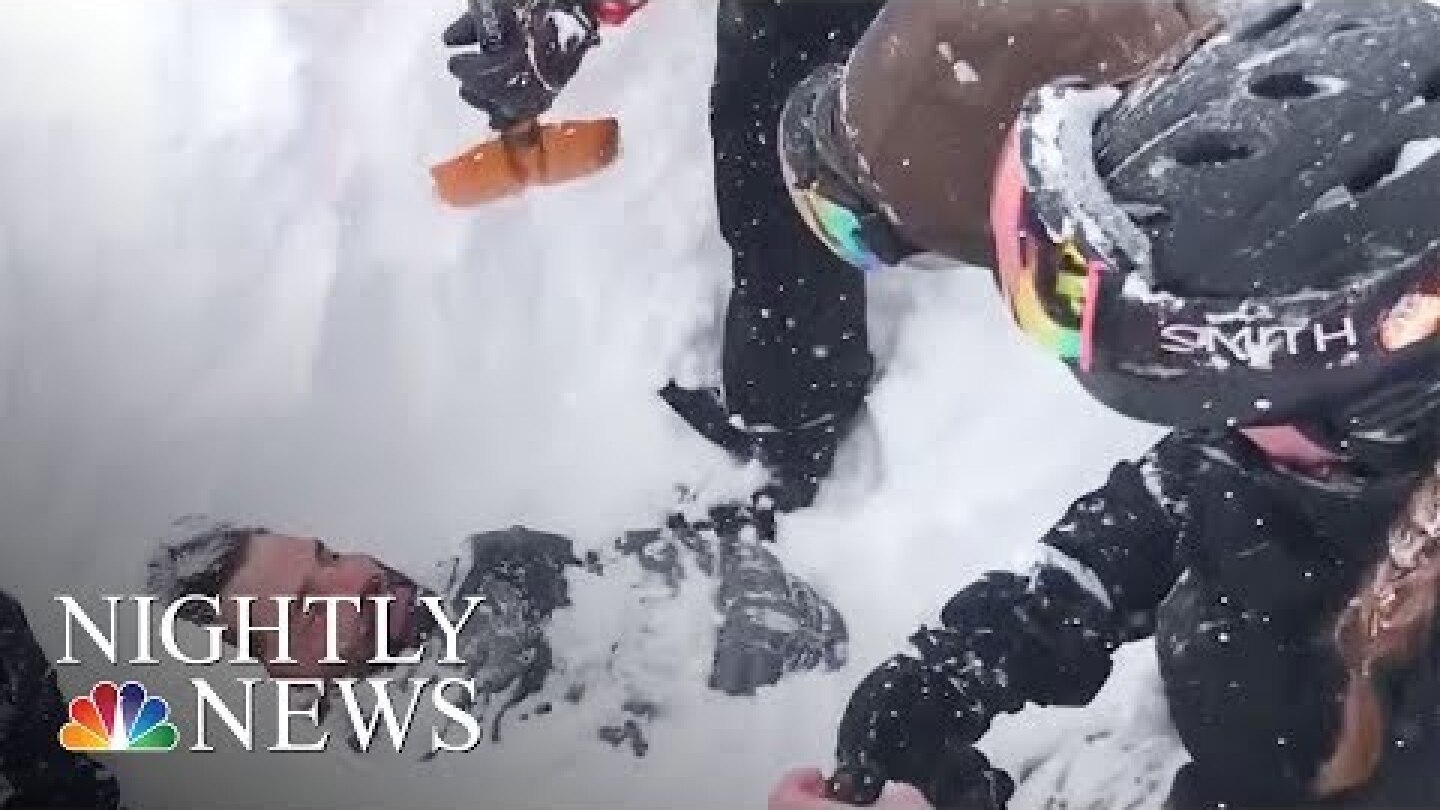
[{"x": 123, "y": 719}]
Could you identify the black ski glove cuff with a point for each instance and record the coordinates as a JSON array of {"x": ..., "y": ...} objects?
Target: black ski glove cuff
[{"x": 1042, "y": 637}]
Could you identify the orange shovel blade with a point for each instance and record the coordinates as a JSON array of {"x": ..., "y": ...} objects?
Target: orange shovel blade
[{"x": 500, "y": 168}]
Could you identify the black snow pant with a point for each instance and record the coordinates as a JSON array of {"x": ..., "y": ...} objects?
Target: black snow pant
[{"x": 797, "y": 361}]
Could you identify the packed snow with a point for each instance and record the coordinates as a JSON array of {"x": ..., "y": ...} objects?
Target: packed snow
[
  {"x": 228, "y": 289},
  {"x": 1412, "y": 155}
]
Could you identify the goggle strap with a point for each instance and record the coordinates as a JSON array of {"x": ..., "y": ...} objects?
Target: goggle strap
[{"x": 1093, "y": 281}]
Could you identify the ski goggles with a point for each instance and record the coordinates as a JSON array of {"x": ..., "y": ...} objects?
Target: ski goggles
[
  {"x": 1046, "y": 278},
  {"x": 859, "y": 236},
  {"x": 1077, "y": 273},
  {"x": 829, "y": 203}
]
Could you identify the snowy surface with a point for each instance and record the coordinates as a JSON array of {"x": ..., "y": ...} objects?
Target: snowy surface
[{"x": 225, "y": 288}]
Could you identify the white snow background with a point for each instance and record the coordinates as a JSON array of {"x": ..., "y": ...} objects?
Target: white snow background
[{"x": 225, "y": 287}]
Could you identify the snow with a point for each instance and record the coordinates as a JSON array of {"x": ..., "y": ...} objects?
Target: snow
[
  {"x": 1334, "y": 198},
  {"x": 1043, "y": 556},
  {"x": 1329, "y": 85},
  {"x": 965, "y": 73},
  {"x": 1063, "y": 133},
  {"x": 1264, "y": 58},
  {"x": 1412, "y": 155},
  {"x": 227, "y": 289},
  {"x": 569, "y": 29}
]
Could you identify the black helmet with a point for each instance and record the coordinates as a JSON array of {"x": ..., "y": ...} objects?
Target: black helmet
[{"x": 1251, "y": 233}]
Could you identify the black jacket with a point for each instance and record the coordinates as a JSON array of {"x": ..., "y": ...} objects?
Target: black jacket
[
  {"x": 1238, "y": 568},
  {"x": 34, "y": 770}
]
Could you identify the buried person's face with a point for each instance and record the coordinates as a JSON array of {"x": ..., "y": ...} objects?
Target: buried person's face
[{"x": 280, "y": 565}]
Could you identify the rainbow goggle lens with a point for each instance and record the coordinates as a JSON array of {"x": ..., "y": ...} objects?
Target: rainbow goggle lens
[
  {"x": 839, "y": 227},
  {"x": 1049, "y": 281},
  {"x": 839, "y": 217},
  {"x": 832, "y": 206}
]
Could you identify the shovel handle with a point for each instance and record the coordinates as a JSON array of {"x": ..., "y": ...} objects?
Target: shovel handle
[{"x": 521, "y": 132}]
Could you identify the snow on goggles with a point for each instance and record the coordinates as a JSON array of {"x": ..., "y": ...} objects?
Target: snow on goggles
[{"x": 1048, "y": 279}]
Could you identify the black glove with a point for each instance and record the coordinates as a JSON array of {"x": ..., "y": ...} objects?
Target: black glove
[
  {"x": 1005, "y": 640},
  {"x": 909, "y": 723},
  {"x": 798, "y": 457},
  {"x": 517, "y": 76}
]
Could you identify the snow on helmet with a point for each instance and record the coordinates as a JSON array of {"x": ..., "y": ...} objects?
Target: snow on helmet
[{"x": 1250, "y": 234}]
